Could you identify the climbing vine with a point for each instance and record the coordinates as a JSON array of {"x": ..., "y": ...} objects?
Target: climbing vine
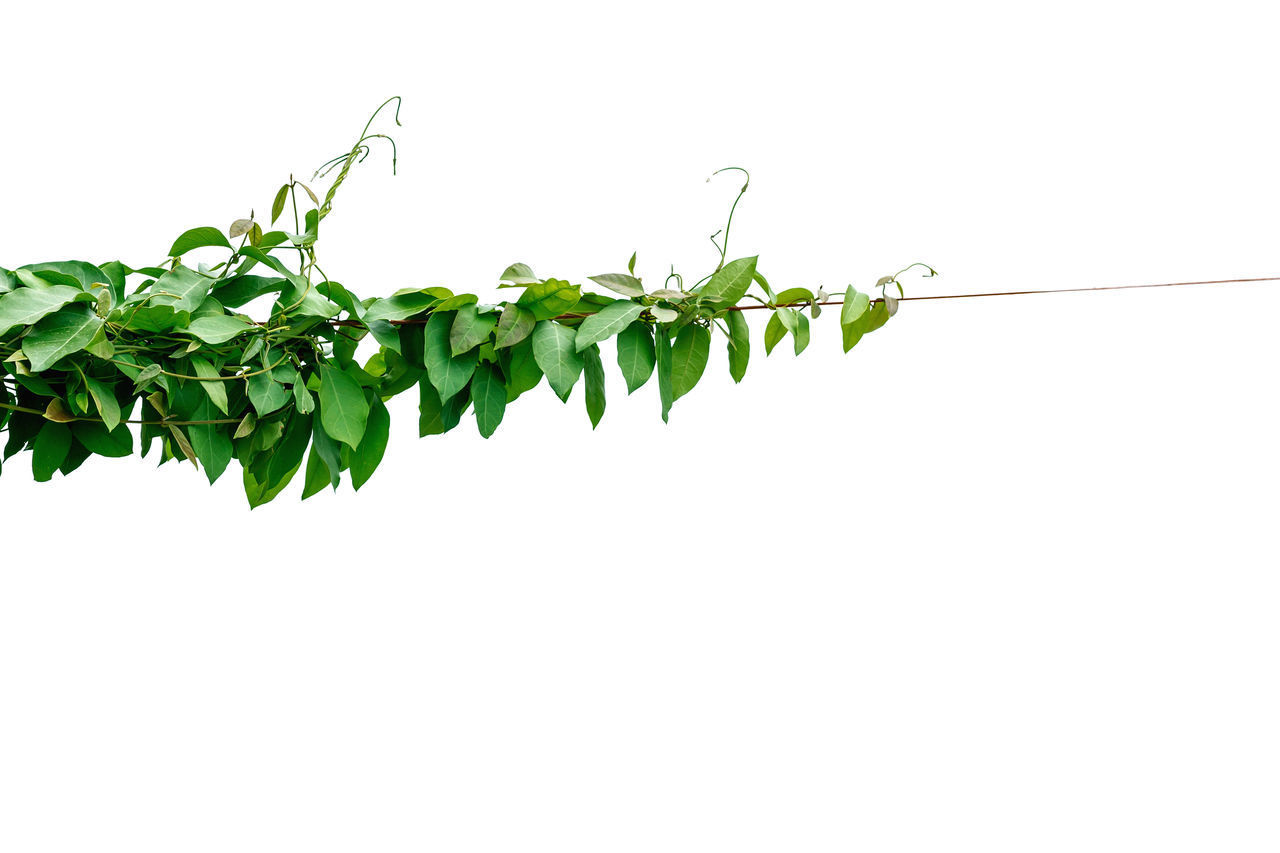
[{"x": 85, "y": 358}]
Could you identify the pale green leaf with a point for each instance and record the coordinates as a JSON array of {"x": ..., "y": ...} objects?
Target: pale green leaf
[
  {"x": 514, "y": 326},
  {"x": 556, "y": 353},
  {"x": 607, "y": 322},
  {"x": 61, "y": 334},
  {"x": 217, "y": 329},
  {"x": 27, "y": 305},
  {"x": 627, "y": 285},
  {"x": 636, "y": 354}
]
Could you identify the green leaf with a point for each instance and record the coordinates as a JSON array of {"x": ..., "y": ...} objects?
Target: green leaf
[
  {"x": 774, "y": 331},
  {"x": 266, "y": 393},
  {"x": 636, "y": 354},
  {"x": 68, "y": 331},
  {"x": 246, "y": 426},
  {"x": 877, "y": 316},
  {"x": 114, "y": 443},
  {"x": 556, "y": 353},
  {"x": 489, "y": 396},
  {"x": 317, "y": 475},
  {"x": 855, "y": 318},
  {"x": 26, "y": 305},
  {"x": 210, "y": 442},
  {"x": 48, "y": 451},
  {"x": 514, "y": 326},
  {"x": 302, "y": 399},
  {"x": 593, "y": 382},
  {"x": 521, "y": 369},
  {"x": 689, "y": 359},
  {"x": 405, "y": 304},
  {"x": 145, "y": 376},
  {"x": 739, "y": 344},
  {"x": 730, "y": 284},
  {"x": 470, "y": 329},
  {"x": 627, "y": 285},
  {"x": 607, "y": 322},
  {"x": 105, "y": 399},
  {"x": 447, "y": 373},
  {"x": 277, "y": 206},
  {"x": 217, "y": 329},
  {"x": 374, "y": 444},
  {"x": 75, "y": 273},
  {"x": 801, "y": 331},
  {"x": 344, "y": 410},
  {"x": 198, "y": 238},
  {"x": 519, "y": 274},
  {"x": 181, "y": 289},
  {"x": 216, "y": 389},
  {"x": 855, "y": 305},
  {"x": 551, "y": 298},
  {"x": 436, "y": 417},
  {"x": 794, "y": 294},
  {"x": 662, "y": 351}
]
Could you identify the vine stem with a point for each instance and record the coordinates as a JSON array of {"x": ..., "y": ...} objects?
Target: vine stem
[
  {"x": 30, "y": 411},
  {"x": 805, "y": 303}
]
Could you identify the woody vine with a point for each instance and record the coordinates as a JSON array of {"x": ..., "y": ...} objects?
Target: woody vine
[{"x": 85, "y": 357}]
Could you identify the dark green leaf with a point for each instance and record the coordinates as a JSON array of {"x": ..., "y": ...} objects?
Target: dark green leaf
[
  {"x": 593, "y": 383},
  {"x": 521, "y": 369},
  {"x": 689, "y": 359},
  {"x": 489, "y": 396},
  {"x": 374, "y": 444},
  {"x": 739, "y": 344},
  {"x": 317, "y": 475},
  {"x": 48, "y": 451},
  {"x": 662, "y": 348},
  {"x": 210, "y": 442},
  {"x": 114, "y": 443},
  {"x": 344, "y": 410},
  {"x": 436, "y": 417},
  {"x": 198, "y": 238}
]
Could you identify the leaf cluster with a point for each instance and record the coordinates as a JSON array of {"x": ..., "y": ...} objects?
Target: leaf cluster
[{"x": 109, "y": 359}]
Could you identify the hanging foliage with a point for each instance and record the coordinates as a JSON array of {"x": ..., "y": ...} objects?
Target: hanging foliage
[{"x": 85, "y": 356}]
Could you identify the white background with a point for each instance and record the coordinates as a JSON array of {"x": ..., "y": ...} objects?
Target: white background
[{"x": 1002, "y": 579}]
